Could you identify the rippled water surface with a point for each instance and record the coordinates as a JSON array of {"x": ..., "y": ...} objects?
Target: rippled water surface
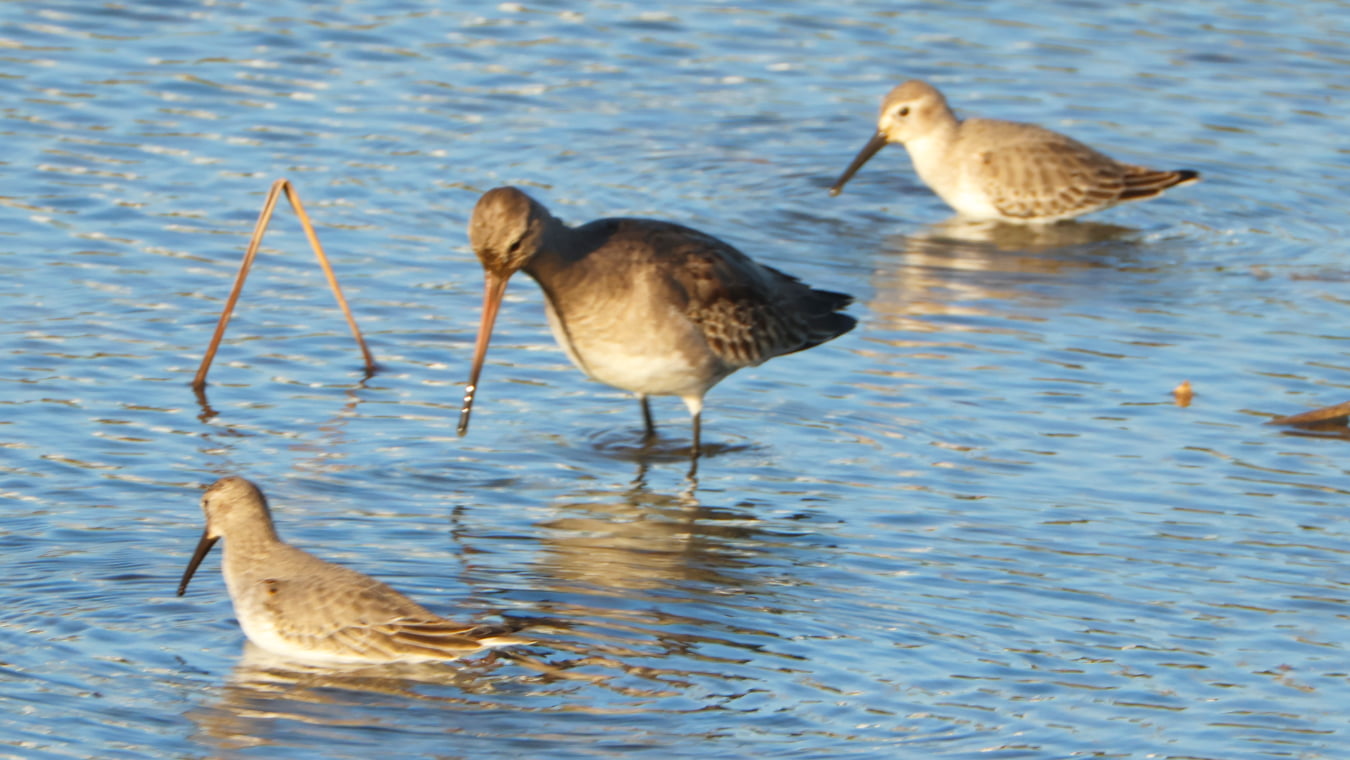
[{"x": 976, "y": 526}]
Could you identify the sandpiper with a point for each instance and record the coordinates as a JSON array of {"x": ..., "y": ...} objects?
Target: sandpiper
[
  {"x": 1003, "y": 170},
  {"x": 647, "y": 306},
  {"x": 300, "y": 607}
]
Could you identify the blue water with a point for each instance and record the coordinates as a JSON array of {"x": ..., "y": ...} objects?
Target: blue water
[{"x": 977, "y": 526}]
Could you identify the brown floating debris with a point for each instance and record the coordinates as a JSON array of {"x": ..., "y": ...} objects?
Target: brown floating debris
[
  {"x": 278, "y": 187},
  {"x": 1183, "y": 393},
  {"x": 1324, "y": 418}
]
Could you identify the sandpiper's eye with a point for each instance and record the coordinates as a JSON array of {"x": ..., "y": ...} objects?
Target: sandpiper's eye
[
  {"x": 904, "y": 111},
  {"x": 515, "y": 246}
]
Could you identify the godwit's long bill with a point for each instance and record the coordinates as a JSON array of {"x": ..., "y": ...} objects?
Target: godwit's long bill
[
  {"x": 293, "y": 604},
  {"x": 1004, "y": 170},
  {"x": 647, "y": 306}
]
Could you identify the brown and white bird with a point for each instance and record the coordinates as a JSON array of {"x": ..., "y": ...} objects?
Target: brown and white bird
[
  {"x": 1004, "y": 170},
  {"x": 293, "y": 604},
  {"x": 647, "y": 306}
]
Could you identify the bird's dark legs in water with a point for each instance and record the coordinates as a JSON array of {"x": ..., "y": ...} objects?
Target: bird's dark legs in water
[
  {"x": 696, "y": 448},
  {"x": 649, "y": 433},
  {"x": 648, "y": 429}
]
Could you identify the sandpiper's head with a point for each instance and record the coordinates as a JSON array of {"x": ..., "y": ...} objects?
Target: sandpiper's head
[
  {"x": 908, "y": 112},
  {"x": 233, "y": 501},
  {"x": 911, "y": 111},
  {"x": 231, "y": 505},
  {"x": 507, "y": 229}
]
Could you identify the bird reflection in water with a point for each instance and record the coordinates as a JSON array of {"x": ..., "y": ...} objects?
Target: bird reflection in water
[
  {"x": 963, "y": 268},
  {"x": 652, "y": 578},
  {"x": 269, "y": 701}
]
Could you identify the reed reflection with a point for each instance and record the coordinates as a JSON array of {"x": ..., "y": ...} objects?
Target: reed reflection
[{"x": 329, "y": 443}]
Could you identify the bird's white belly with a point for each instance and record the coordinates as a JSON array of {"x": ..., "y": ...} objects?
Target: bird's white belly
[
  {"x": 649, "y": 374},
  {"x": 952, "y": 180},
  {"x": 266, "y": 636},
  {"x": 670, "y": 360},
  {"x": 970, "y": 201}
]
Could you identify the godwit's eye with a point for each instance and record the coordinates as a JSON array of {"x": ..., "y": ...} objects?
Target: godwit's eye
[{"x": 904, "y": 111}]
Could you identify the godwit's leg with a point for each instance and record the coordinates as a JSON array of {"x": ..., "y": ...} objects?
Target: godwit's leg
[
  {"x": 695, "y": 450},
  {"x": 648, "y": 429},
  {"x": 695, "y": 404},
  {"x": 264, "y": 218}
]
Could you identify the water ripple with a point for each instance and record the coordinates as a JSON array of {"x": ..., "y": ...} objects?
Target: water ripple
[{"x": 979, "y": 525}]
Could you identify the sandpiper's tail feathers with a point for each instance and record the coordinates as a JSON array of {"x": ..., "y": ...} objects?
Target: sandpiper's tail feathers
[
  {"x": 827, "y": 301},
  {"x": 502, "y": 634},
  {"x": 435, "y": 640},
  {"x": 824, "y": 320},
  {"x": 1141, "y": 182}
]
